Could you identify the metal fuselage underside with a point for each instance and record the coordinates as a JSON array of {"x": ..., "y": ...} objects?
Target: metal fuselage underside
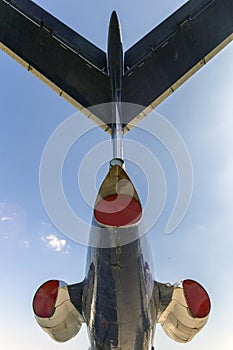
[{"x": 117, "y": 298}]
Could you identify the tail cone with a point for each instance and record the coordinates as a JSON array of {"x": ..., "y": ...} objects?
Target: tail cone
[{"x": 117, "y": 202}]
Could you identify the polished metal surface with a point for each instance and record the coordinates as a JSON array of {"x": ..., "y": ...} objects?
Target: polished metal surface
[
  {"x": 117, "y": 131},
  {"x": 118, "y": 297}
]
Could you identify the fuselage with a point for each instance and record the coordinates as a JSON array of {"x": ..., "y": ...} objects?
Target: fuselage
[
  {"x": 117, "y": 299},
  {"x": 119, "y": 286}
]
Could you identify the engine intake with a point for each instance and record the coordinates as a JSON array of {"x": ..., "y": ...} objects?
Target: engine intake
[
  {"x": 187, "y": 313},
  {"x": 55, "y": 312}
]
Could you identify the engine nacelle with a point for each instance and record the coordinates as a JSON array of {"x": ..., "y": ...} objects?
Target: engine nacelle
[
  {"x": 187, "y": 313},
  {"x": 55, "y": 312}
]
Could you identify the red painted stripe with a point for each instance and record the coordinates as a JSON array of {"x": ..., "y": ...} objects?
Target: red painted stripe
[
  {"x": 118, "y": 210},
  {"x": 197, "y": 299},
  {"x": 45, "y": 299}
]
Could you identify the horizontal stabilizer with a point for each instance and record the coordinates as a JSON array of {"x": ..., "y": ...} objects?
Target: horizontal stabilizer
[
  {"x": 172, "y": 52},
  {"x": 64, "y": 60},
  {"x": 153, "y": 68}
]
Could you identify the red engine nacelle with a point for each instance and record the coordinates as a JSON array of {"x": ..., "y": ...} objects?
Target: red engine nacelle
[
  {"x": 187, "y": 312},
  {"x": 54, "y": 311}
]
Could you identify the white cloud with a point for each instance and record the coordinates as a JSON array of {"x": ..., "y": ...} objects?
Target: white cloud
[
  {"x": 12, "y": 219},
  {"x": 7, "y": 218},
  {"x": 26, "y": 244},
  {"x": 53, "y": 242}
]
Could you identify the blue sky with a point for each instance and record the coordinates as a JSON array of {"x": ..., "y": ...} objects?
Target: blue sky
[{"x": 32, "y": 250}]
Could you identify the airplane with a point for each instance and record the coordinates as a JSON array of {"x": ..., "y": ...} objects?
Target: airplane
[{"x": 118, "y": 299}]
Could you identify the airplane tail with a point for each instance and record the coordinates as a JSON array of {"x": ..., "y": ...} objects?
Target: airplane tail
[{"x": 58, "y": 309}]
